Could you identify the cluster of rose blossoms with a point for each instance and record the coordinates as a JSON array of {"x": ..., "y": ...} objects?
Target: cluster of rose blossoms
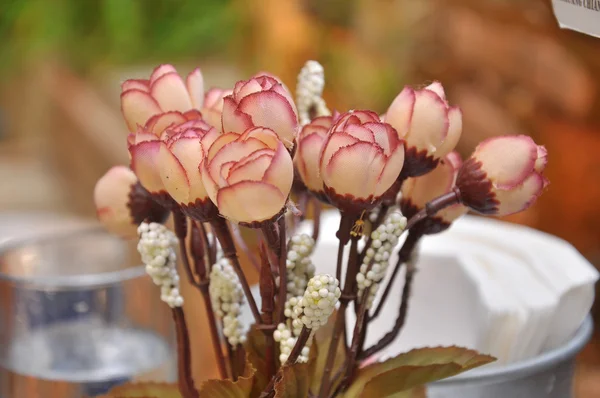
[{"x": 243, "y": 154}]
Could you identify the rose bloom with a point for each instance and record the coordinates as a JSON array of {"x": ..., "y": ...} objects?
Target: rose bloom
[
  {"x": 360, "y": 160},
  {"x": 430, "y": 127},
  {"x": 503, "y": 175},
  {"x": 166, "y": 93},
  {"x": 121, "y": 204},
  {"x": 248, "y": 176},
  {"x": 262, "y": 101},
  {"x": 310, "y": 142},
  {"x": 169, "y": 164},
  {"x": 418, "y": 191}
]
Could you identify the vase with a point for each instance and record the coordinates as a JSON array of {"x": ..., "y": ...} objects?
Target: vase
[{"x": 78, "y": 316}]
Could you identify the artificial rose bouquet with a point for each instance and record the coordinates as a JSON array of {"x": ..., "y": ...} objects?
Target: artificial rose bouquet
[{"x": 254, "y": 157}]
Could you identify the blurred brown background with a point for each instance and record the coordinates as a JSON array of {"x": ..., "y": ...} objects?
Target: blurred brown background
[{"x": 505, "y": 62}]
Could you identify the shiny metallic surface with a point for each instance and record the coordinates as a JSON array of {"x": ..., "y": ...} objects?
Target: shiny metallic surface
[
  {"x": 78, "y": 315},
  {"x": 549, "y": 375}
]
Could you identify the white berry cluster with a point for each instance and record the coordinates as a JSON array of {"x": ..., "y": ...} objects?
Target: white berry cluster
[
  {"x": 317, "y": 303},
  {"x": 287, "y": 341},
  {"x": 309, "y": 91},
  {"x": 299, "y": 265},
  {"x": 157, "y": 247},
  {"x": 227, "y": 297},
  {"x": 384, "y": 239}
]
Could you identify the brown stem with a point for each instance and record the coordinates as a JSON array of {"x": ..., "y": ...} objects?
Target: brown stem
[
  {"x": 267, "y": 294},
  {"x": 282, "y": 272},
  {"x": 356, "y": 338},
  {"x": 403, "y": 256},
  {"x": 400, "y": 320},
  {"x": 316, "y": 218},
  {"x": 343, "y": 235},
  {"x": 233, "y": 368},
  {"x": 239, "y": 240},
  {"x": 184, "y": 360},
  {"x": 221, "y": 230},
  {"x": 199, "y": 252},
  {"x": 293, "y": 357},
  {"x": 435, "y": 205}
]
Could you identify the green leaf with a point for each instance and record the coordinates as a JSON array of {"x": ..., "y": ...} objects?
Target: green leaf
[
  {"x": 413, "y": 369},
  {"x": 294, "y": 381},
  {"x": 320, "y": 346},
  {"x": 242, "y": 388},
  {"x": 255, "y": 351},
  {"x": 144, "y": 390}
]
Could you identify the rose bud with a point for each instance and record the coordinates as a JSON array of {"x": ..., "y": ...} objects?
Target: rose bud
[
  {"x": 261, "y": 102},
  {"x": 164, "y": 92},
  {"x": 503, "y": 175},
  {"x": 310, "y": 142},
  {"x": 360, "y": 160},
  {"x": 169, "y": 166},
  {"x": 417, "y": 191},
  {"x": 248, "y": 176},
  {"x": 430, "y": 127},
  {"x": 122, "y": 204},
  {"x": 213, "y": 106}
]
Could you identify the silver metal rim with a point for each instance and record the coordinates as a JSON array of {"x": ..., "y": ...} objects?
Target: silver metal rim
[
  {"x": 70, "y": 281},
  {"x": 520, "y": 370}
]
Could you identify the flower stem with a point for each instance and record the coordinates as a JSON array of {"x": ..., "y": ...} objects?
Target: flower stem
[
  {"x": 282, "y": 294},
  {"x": 198, "y": 251},
  {"x": 400, "y": 320},
  {"x": 232, "y": 361},
  {"x": 435, "y": 205},
  {"x": 184, "y": 360},
  {"x": 267, "y": 294},
  {"x": 316, "y": 218},
  {"x": 221, "y": 230},
  {"x": 403, "y": 256},
  {"x": 237, "y": 236},
  {"x": 343, "y": 235},
  {"x": 356, "y": 339}
]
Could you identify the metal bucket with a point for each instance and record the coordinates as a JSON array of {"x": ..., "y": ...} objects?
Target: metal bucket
[
  {"x": 77, "y": 317},
  {"x": 549, "y": 375}
]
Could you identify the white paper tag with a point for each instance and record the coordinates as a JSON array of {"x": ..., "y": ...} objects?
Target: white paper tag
[{"x": 579, "y": 15}]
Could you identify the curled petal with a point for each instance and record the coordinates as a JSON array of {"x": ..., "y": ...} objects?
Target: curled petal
[
  {"x": 160, "y": 71},
  {"x": 437, "y": 182},
  {"x": 437, "y": 88},
  {"x": 307, "y": 161},
  {"x": 188, "y": 152},
  {"x": 385, "y": 135},
  {"x": 507, "y": 160},
  {"x": 332, "y": 144},
  {"x": 159, "y": 123},
  {"x": 144, "y": 162},
  {"x": 211, "y": 148},
  {"x": 250, "y": 201},
  {"x": 233, "y": 119},
  {"x": 520, "y": 197},
  {"x": 400, "y": 112},
  {"x": 391, "y": 171},
  {"x": 354, "y": 169},
  {"x": 542, "y": 159},
  {"x": 429, "y": 125},
  {"x": 209, "y": 184},
  {"x": 230, "y": 153},
  {"x": 170, "y": 92},
  {"x": 135, "y": 84},
  {"x": 267, "y": 136},
  {"x": 360, "y": 132},
  {"x": 173, "y": 175},
  {"x": 138, "y": 106},
  {"x": 252, "y": 170},
  {"x": 281, "y": 171},
  {"x": 454, "y": 132},
  {"x": 195, "y": 87},
  {"x": 270, "y": 109}
]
